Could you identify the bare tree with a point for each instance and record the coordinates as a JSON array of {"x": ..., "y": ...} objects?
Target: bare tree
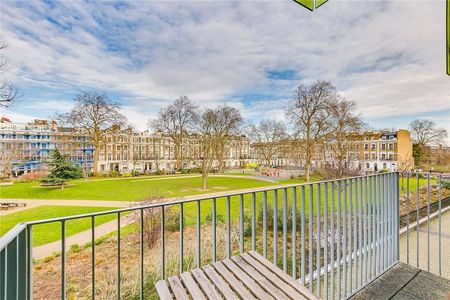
[
  {"x": 9, "y": 154},
  {"x": 94, "y": 115},
  {"x": 8, "y": 92},
  {"x": 404, "y": 165},
  {"x": 227, "y": 124},
  {"x": 205, "y": 128},
  {"x": 425, "y": 132},
  {"x": 177, "y": 120},
  {"x": 346, "y": 125},
  {"x": 268, "y": 137},
  {"x": 308, "y": 113}
]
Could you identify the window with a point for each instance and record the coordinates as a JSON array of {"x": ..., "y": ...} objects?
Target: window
[
  {"x": 366, "y": 146},
  {"x": 391, "y": 156},
  {"x": 374, "y": 156},
  {"x": 372, "y": 146},
  {"x": 367, "y": 166},
  {"x": 366, "y": 155},
  {"x": 383, "y": 146},
  {"x": 383, "y": 156},
  {"x": 391, "y": 146}
]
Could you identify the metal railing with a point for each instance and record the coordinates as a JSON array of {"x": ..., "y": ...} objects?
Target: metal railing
[
  {"x": 423, "y": 208},
  {"x": 334, "y": 236}
]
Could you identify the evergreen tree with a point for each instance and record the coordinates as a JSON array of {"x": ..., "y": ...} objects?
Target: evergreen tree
[{"x": 62, "y": 170}]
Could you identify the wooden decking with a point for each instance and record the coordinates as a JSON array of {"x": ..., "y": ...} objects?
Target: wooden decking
[
  {"x": 406, "y": 282},
  {"x": 249, "y": 276}
]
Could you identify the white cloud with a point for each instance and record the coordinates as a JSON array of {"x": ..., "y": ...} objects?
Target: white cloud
[{"x": 386, "y": 56}]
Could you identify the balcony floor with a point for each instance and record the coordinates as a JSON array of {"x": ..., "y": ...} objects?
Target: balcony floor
[{"x": 406, "y": 282}]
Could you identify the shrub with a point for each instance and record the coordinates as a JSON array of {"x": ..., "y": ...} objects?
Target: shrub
[
  {"x": 136, "y": 173},
  {"x": 33, "y": 176},
  {"x": 127, "y": 174},
  {"x": 159, "y": 172},
  {"x": 269, "y": 216},
  {"x": 75, "y": 248},
  {"x": 446, "y": 184},
  {"x": 113, "y": 173},
  {"x": 220, "y": 218}
]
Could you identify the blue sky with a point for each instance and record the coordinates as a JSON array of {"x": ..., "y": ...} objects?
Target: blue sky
[{"x": 387, "y": 56}]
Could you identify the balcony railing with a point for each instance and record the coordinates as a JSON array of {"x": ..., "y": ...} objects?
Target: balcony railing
[{"x": 334, "y": 236}]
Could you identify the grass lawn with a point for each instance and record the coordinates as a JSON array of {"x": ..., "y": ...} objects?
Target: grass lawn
[
  {"x": 135, "y": 189},
  {"x": 47, "y": 233}
]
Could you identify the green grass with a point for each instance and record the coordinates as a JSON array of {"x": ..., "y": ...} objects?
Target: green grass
[
  {"x": 51, "y": 232},
  {"x": 135, "y": 189}
]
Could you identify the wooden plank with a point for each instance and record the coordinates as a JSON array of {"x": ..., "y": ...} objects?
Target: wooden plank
[
  {"x": 285, "y": 277},
  {"x": 263, "y": 282},
  {"x": 221, "y": 285},
  {"x": 272, "y": 277},
  {"x": 177, "y": 288},
  {"x": 247, "y": 280},
  {"x": 192, "y": 286},
  {"x": 205, "y": 285},
  {"x": 235, "y": 284},
  {"x": 163, "y": 290}
]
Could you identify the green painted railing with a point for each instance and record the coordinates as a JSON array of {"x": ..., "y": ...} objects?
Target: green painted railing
[
  {"x": 357, "y": 214},
  {"x": 14, "y": 275}
]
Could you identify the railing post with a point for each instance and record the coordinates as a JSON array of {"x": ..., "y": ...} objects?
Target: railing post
[
  {"x": 397, "y": 214},
  {"x": 29, "y": 262}
]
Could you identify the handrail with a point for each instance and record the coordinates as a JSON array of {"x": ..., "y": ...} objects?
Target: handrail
[
  {"x": 175, "y": 202},
  {"x": 11, "y": 235},
  {"x": 347, "y": 238}
]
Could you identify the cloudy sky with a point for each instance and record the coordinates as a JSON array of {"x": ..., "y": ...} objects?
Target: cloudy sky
[{"x": 387, "y": 56}]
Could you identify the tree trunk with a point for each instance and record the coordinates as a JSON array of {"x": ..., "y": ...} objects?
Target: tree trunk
[
  {"x": 204, "y": 179},
  {"x": 307, "y": 166},
  {"x": 96, "y": 158}
]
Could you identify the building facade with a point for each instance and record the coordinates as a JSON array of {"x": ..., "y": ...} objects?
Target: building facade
[
  {"x": 146, "y": 152},
  {"x": 26, "y": 147},
  {"x": 367, "y": 152}
]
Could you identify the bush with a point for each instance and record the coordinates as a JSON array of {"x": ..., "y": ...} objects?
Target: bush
[
  {"x": 421, "y": 175},
  {"x": 446, "y": 184},
  {"x": 127, "y": 174},
  {"x": 113, "y": 173},
  {"x": 220, "y": 219},
  {"x": 269, "y": 216},
  {"x": 191, "y": 171},
  {"x": 136, "y": 173},
  {"x": 159, "y": 172},
  {"x": 33, "y": 176},
  {"x": 75, "y": 248}
]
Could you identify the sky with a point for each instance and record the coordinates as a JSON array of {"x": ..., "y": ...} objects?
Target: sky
[{"x": 387, "y": 56}]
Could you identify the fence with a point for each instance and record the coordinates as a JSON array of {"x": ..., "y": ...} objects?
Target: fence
[{"x": 334, "y": 236}]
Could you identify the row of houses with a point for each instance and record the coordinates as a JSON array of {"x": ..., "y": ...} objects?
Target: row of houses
[{"x": 26, "y": 147}]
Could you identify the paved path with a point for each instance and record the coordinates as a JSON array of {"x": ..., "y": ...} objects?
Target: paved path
[
  {"x": 81, "y": 238},
  {"x": 434, "y": 246},
  {"x": 84, "y": 237},
  {"x": 36, "y": 203}
]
